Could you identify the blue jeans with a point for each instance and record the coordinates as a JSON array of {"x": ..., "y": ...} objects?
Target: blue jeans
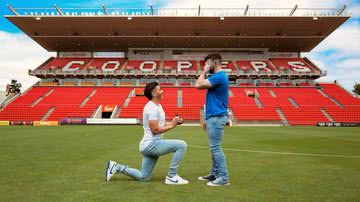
[
  {"x": 215, "y": 130},
  {"x": 152, "y": 153}
]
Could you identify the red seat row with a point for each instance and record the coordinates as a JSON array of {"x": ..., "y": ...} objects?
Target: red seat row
[{"x": 300, "y": 106}]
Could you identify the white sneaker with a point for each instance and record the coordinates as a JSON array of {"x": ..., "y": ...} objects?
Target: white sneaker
[
  {"x": 110, "y": 170},
  {"x": 218, "y": 182},
  {"x": 176, "y": 180}
]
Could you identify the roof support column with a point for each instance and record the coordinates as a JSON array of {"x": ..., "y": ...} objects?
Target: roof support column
[
  {"x": 105, "y": 10},
  {"x": 293, "y": 10},
  {"x": 341, "y": 10},
  {"x": 12, "y": 9},
  {"x": 59, "y": 10},
  {"x": 246, "y": 10}
]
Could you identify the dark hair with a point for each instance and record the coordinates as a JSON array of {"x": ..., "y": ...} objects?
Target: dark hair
[
  {"x": 149, "y": 88},
  {"x": 213, "y": 57}
]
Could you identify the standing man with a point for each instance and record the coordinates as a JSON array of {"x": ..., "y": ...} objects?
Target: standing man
[{"x": 217, "y": 96}]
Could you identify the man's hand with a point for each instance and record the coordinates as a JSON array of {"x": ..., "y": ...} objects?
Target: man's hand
[
  {"x": 204, "y": 125},
  {"x": 180, "y": 121},
  {"x": 206, "y": 68},
  {"x": 174, "y": 121},
  {"x": 201, "y": 82}
]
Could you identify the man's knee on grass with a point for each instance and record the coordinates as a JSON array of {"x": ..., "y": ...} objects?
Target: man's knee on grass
[{"x": 145, "y": 177}]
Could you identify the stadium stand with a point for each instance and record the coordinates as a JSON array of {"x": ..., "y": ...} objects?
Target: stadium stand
[
  {"x": 225, "y": 65},
  {"x": 59, "y": 63},
  {"x": 21, "y": 110},
  {"x": 108, "y": 64},
  {"x": 93, "y": 72},
  {"x": 292, "y": 63},
  {"x": 189, "y": 111},
  {"x": 183, "y": 65},
  {"x": 146, "y": 64},
  {"x": 255, "y": 66},
  {"x": 300, "y": 105}
]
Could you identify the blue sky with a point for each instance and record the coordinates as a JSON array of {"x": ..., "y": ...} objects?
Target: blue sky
[
  {"x": 339, "y": 54},
  {"x": 7, "y": 26}
]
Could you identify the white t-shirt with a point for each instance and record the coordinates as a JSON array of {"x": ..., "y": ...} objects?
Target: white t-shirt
[{"x": 151, "y": 111}]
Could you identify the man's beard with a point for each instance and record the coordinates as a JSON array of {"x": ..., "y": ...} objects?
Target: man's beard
[{"x": 212, "y": 69}]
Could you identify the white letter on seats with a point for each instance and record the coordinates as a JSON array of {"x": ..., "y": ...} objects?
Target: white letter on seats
[
  {"x": 183, "y": 65},
  {"x": 259, "y": 66},
  {"x": 299, "y": 67},
  {"x": 116, "y": 63},
  {"x": 66, "y": 68},
  {"x": 148, "y": 63},
  {"x": 225, "y": 67}
]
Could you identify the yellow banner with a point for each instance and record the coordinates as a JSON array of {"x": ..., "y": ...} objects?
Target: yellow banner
[
  {"x": 46, "y": 123},
  {"x": 4, "y": 123}
]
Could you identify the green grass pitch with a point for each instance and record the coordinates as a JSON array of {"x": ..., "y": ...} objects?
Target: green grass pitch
[{"x": 67, "y": 163}]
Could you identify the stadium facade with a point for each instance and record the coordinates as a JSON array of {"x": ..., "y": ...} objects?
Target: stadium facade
[{"x": 106, "y": 55}]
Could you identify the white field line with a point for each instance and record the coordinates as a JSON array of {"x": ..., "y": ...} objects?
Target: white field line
[
  {"x": 278, "y": 153},
  {"x": 281, "y": 153},
  {"x": 281, "y": 133}
]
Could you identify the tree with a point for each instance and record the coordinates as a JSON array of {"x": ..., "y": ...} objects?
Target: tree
[{"x": 357, "y": 88}]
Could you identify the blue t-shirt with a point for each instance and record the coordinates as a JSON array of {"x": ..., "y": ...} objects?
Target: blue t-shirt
[{"x": 217, "y": 97}]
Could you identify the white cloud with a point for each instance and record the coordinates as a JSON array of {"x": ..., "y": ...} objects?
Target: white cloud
[
  {"x": 350, "y": 64},
  {"x": 346, "y": 40},
  {"x": 339, "y": 54},
  {"x": 18, "y": 54},
  {"x": 355, "y": 11}
]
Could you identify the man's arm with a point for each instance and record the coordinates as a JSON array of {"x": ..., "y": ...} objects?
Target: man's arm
[
  {"x": 156, "y": 129},
  {"x": 202, "y": 83}
]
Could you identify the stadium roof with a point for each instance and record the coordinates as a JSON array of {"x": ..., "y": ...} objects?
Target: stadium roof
[{"x": 64, "y": 31}]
